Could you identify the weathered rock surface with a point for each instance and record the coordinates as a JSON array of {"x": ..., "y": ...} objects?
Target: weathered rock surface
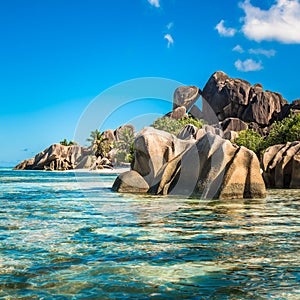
[
  {"x": 130, "y": 182},
  {"x": 152, "y": 149},
  {"x": 210, "y": 167},
  {"x": 186, "y": 96},
  {"x": 233, "y": 124},
  {"x": 58, "y": 157},
  {"x": 281, "y": 166},
  {"x": 178, "y": 113},
  {"x": 189, "y": 131},
  {"x": 214, "y": 130},
  {"x": 119, "y": 129},
  {"x": 109, "y": 135},
  {"x": 236, "y": 98}
]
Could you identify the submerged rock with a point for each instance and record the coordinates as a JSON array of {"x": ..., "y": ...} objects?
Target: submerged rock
[{"x": 210, "y": 167}]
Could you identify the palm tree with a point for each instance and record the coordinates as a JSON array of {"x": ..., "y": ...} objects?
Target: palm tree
[
  {"x": 99, "y": 143},
  {"x": 124, "y": 145}
]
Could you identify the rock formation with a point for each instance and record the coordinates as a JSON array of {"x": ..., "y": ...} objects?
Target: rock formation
[
  {"x": 189, "y": 131},
  {"x": 236, "y": 98},
  {"x": 59, "y": 157},
  {"x": 210, "y": 167},
  {"x": 186, "y": 96},
  {"x": 281, "y": 166}
]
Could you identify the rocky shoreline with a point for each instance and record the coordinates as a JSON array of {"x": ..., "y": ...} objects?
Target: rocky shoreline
[{"x": 204, "y": 162}]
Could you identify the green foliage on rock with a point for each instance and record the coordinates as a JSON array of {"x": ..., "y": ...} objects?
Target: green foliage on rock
[
  {"x": 167, "y": 124},
  {"x": 124, "y": 145},
  {"x": 281, "y": 132},
  {"x": 287, "y": 130},
  {"x": 65, "y": 142},
  {"x": 100, "y": 144},
  {"x": 251, "y": 140},
  {"x": 173, "y": 126},
  {"x": 190, "y": 120}
]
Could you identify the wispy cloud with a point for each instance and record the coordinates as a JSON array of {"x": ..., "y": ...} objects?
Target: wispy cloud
[
  {"x": 248, "y": 65},
  {"x": 267, "y": 53},
  {"x": 280, "y": 23},
  {"x": 154, "y": 3},
  {"x": 170, "y": 39},
  {"x": 223, "y": 31},
  {"x": 170, "y": 25},
  {"x": 238, "y": 48}
]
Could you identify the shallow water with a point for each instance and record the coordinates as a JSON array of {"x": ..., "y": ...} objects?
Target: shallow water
[{"x": 69, "y": 237}]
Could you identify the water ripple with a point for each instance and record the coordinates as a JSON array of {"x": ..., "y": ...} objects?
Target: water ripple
[{"x": 66, "y": 237}]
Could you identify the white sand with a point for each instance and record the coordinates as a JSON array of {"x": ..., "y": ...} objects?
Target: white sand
[{"x": 117, "y": 170}]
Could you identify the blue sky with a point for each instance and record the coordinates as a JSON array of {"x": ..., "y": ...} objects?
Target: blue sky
[{"x": 57, "y": 56}]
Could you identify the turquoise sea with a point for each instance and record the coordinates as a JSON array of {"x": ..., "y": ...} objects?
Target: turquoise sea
[{"x": 67, "y": 236}]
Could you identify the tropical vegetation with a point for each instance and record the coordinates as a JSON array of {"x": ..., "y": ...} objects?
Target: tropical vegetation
[
  {"x": 281, "y": 132},
  {"x": 124, "y": 145},
  {"x": 175, "y": 126},
  {"x": 99, "y": 143},
  {"x": 65, "y": 142}
]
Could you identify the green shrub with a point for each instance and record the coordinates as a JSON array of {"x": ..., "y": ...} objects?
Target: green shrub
[
  {"x": 65, "y": 142},
  {"x": 287, "y": 130},
  {"x": 173, "y": 126},
  {"x": 191, "y": 120},
  {"x": 167, "y": 124},
  {"x": 251, "y": 140}
]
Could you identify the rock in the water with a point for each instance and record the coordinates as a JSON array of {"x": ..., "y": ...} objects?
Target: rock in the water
[
  {"x": 130, "y": 182},
  {"x": 56, "y": 157},
  {"x": 281, "y": 168},
  {"x": 152, "y": 149},
  {"x": 236, "y": 98},
  {"x": 210, "y": 167},
  {"x": 186, "y": 96}
]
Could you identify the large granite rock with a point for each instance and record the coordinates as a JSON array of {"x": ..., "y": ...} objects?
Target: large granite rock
[
  {"x": 189, "y": 131},
  {"x": 152, "y": 149},
  {"x": 236, "y": 98},
  {"x": 281, "y": 165},
  {"x": 58, "y": 157},
  {"x": 130, "y": 182},
  {"x": 210, "y": 167},
  {"x": 178, "y": 113},
  {"x": 186, "y": 96},
  {"x": 233, "y": 124},
  {"x": 119, "y": 129}
]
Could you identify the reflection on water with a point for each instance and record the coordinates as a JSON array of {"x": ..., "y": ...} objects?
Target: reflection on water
[{"x": 59, "y": 241}]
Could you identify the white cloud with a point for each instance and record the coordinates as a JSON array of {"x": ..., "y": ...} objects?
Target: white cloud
[
  {"x": 280, "y": 23},
  {"x": 238, "y": 48},
  {"x": 248, "y": 65},
  {"x": 170, "y": 25},
  {"x": 154, "y": 3},
  {"x": 170, "y": 39},
  {"x": 223, "y": 31},
  {"x": 267, "y": 53}
]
